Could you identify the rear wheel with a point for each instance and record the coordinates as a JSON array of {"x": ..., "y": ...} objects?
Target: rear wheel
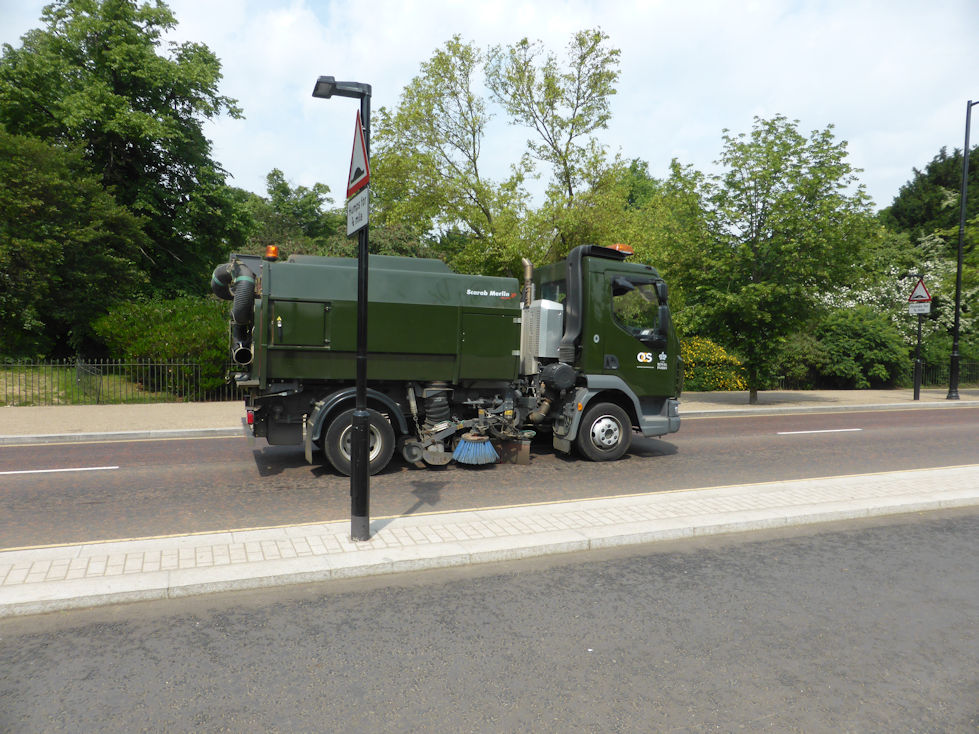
[
  {"x": 605, "y": 433},
  {"x": 380, "y": 442}
]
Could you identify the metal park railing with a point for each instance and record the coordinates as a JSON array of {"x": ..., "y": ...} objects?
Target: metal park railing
[
  {"x": 936, "y": 375},
  {"x": 88, "y": 382}
]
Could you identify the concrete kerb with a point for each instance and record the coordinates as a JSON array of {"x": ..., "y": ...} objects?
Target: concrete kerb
[
  {"x": 8, "y": 440},
  {"x": 831, "y": 408}
]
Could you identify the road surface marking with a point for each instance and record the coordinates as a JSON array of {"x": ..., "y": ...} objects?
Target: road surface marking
[
  {"x": 825, "y": 430},
  {"x": 51, "y": 471}
]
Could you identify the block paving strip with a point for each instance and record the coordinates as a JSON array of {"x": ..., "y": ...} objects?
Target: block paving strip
[{"x": 72, "y": 576}]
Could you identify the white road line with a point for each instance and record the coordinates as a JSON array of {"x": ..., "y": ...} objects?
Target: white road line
[
  {"x": 52, "y": 471},
  {"x": 825, "y": 430}
]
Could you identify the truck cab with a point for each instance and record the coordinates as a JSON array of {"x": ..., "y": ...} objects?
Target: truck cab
[{"x": 617, "y": 334}]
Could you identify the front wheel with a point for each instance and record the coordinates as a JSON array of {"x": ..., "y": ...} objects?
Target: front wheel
[
  {"x": 380, "y": 442},
  {"x": 605, "y": 433}
]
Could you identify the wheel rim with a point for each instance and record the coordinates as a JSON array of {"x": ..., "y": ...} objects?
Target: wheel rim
[
  {"x": 606, "y": 433},
  {"x": 373, "y": 443}
]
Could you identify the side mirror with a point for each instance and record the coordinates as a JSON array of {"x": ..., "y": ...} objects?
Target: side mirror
[{"x": 665, "y": 322}]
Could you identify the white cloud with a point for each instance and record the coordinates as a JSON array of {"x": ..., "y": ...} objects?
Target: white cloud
[{"x": 893, "y": 77}]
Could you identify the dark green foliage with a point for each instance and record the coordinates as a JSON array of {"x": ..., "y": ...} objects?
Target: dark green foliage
[
  {"x": 297, "y": 220},
  {"x": 67, "y": 249},
  {"x": 931, "y": 201},
  {"x": 861, "y": 348},
  {"x": 848, "y": 348},
  {"x": 392, "y": 239},
  {"x": 92, "y": 77},
  {"x": 798, "y": 362},
  {"x": 178, "y": 328},
  {"x": 640, "y": 185}
]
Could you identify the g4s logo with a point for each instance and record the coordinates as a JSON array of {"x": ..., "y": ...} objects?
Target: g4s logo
[{"x": 645, "y": 357}]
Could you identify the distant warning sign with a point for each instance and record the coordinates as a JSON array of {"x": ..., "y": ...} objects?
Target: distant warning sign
[
  {"x": 920, "y": 294},
  {"x": 360, "y": 173}
]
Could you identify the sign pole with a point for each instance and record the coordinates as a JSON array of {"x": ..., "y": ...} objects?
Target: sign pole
[
  {"x": 917, "y": 361},
  {"x": 358, "y": 218},
  {"x": 919, "y": 302},
  {"x": 360, "y": 488}
]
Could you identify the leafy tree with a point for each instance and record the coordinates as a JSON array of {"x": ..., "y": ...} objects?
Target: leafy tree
[
  {"x": 930, "y": 201},
  {"x": 564, "y": 107},
  {"x": 785, "y": 224},
  {"x": 388, "y": 239},
  {"x": 67, "y": 249},
  {"x": 298, "y": 219},
  {"x": 93, "y": 77},
  {"x": 428, "y": 172},
  {"x": 426, "y": 159},
  {"x": 926, "y": 214}
]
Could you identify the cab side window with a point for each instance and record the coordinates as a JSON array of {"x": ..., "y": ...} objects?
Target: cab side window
[{"x": 635, "y": 307}]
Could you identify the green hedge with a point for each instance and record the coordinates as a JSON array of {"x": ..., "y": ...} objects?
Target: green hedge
[
  {"x": 179, "y": 328},
  {"x": 848, "y": 348}
]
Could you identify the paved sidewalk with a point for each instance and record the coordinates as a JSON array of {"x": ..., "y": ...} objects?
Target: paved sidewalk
[{"x": 36, "y": 580}]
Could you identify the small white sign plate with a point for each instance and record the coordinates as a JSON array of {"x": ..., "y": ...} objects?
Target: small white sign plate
[
  {"x": 919, "y": 308},
  {"x": 357, "y": 210}
]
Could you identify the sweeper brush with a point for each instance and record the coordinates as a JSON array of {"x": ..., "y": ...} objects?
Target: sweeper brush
[{"x": 475, "y": 449}]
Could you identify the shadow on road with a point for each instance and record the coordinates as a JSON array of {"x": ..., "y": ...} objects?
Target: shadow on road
[
  {"x": 428, "y": 495},
  {"x": 273, "y": 460},
  {"x": 644, "y": 447}
]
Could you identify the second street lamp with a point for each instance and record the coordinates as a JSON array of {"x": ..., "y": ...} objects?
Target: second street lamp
[{"x": 327, "y": 87}]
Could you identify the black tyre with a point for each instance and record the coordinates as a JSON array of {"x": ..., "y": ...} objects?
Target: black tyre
[
  {"x": 380, "y": 441},
  {"x": 605, "y": 433}
]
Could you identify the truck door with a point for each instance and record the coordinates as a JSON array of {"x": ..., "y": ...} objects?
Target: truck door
[{"x": 637, "y": 338}]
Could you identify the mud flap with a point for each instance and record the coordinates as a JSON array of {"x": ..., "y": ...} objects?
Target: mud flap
[{"x": 309, "y": 429}]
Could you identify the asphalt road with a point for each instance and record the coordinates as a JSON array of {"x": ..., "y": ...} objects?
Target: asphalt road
[
  {"x": 866, "y": 627},
  {"x": 52, "y": 494}
]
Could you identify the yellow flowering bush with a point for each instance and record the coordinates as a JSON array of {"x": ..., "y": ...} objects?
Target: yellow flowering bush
[{"x": 707, "y": 366}]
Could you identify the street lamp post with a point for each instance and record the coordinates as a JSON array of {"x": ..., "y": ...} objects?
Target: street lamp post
[
  {"x": 327, "y": 87},
  {"x": 953, "y": 370}
]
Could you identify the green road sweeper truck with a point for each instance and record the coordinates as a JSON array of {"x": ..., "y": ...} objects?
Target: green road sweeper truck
[{"x": 459, "y": 367}]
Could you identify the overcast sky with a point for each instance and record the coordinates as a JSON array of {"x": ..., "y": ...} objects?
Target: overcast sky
[{"x": 892, "y": 76}]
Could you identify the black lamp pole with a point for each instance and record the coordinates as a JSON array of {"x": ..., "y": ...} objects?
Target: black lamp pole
[
  {"x": 326, "y": 87},
  {"x": 953, "y": 369}
]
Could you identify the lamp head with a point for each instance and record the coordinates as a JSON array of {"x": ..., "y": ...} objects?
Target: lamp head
[{"x": 328, "y": 86}]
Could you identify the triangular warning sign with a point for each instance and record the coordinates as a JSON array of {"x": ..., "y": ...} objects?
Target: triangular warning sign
[
  {"x": 359, "y": 171},
  {"x": 920, "y": 294}
]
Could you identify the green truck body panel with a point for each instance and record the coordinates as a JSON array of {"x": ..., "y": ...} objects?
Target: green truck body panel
[{"x": 425, "y": 322}]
